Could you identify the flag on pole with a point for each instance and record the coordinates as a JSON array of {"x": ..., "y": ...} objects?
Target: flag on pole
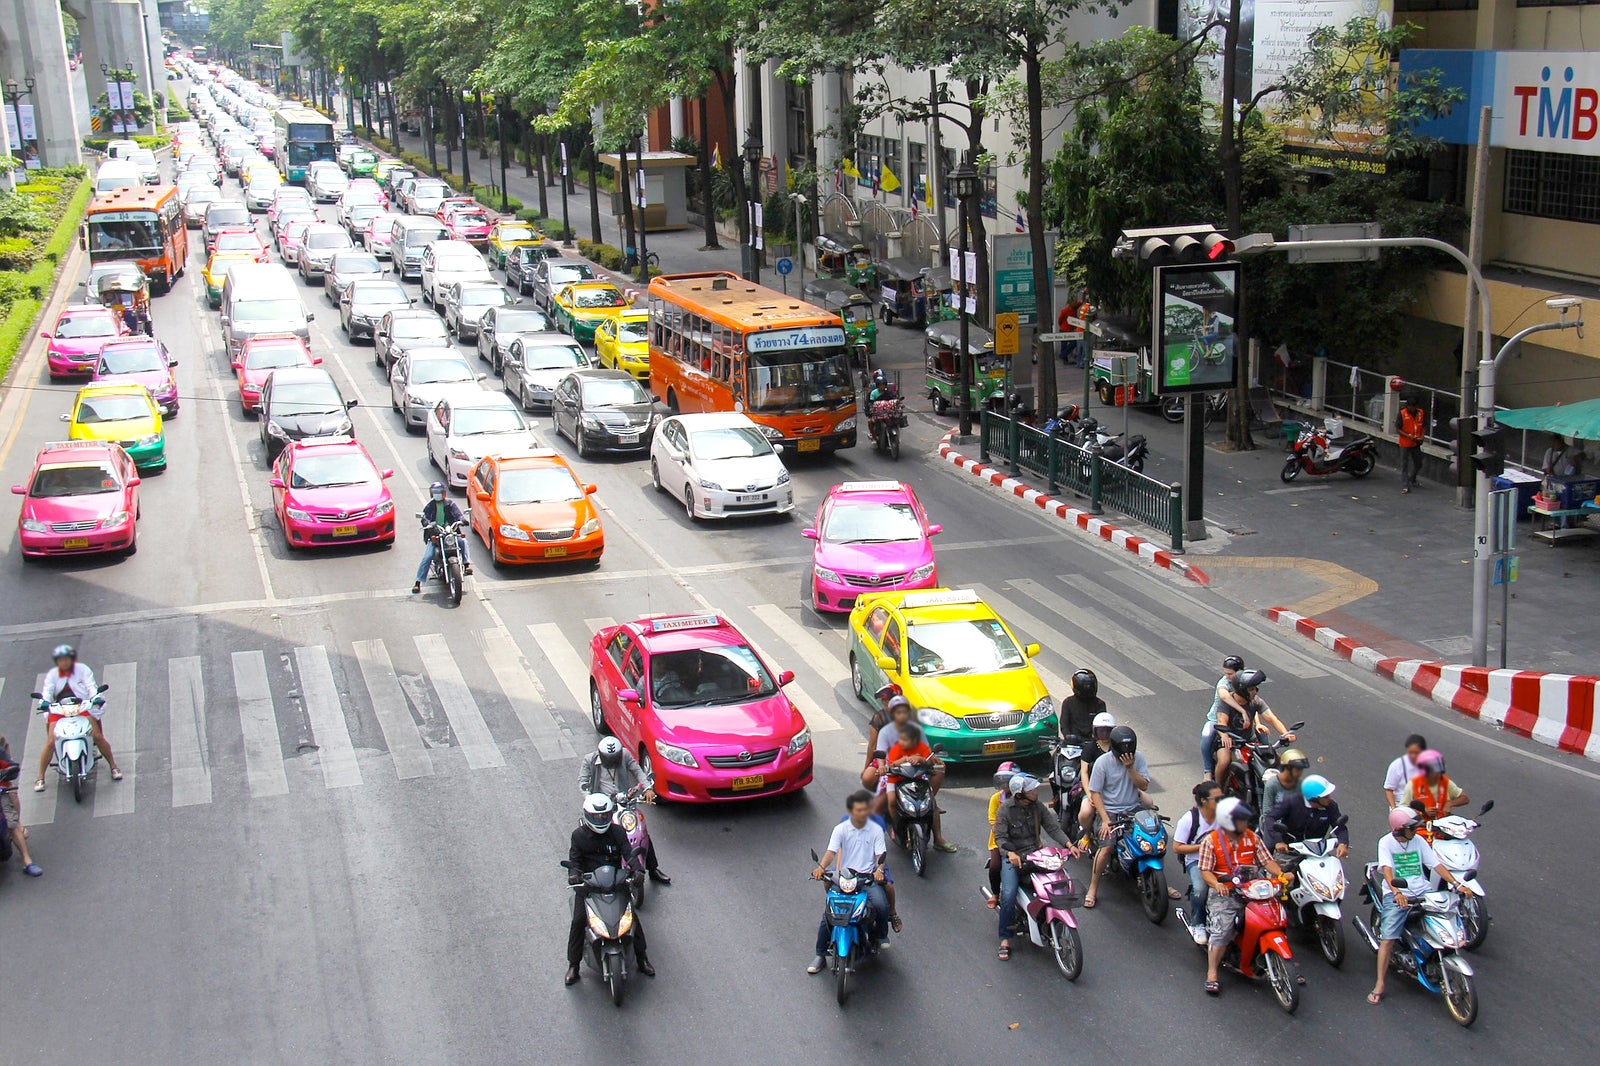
[
  {"x": 849, "y": 167},
  {"x": 888, "y": 181},
  {"x": 1281, "y": 352},
  {"x": 838, "y": 180},
  {"x": 1022, "y": 225},
  {"x": 716, "y": 156},
  {"x": 927, "y": 192}
]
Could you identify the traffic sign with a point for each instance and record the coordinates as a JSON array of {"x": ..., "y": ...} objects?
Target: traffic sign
[
  {"x": 785, "y": 265},
  {"x": 1006, "y": 326},
  {"x": 1052, "y": 338}
]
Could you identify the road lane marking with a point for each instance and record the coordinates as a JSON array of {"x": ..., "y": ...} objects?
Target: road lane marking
[
  {"x": 536, "y": 712},
  {"x": 258, "y": 544},
  {"x": 1182, "y": 640},
  {"x": 825, "y": 665},
  {"x": 595, "y": 625},
  {"x": 191, "y": 764},
  {"x": 41, "y": 806},
  {"x": 258, "y": 722},
  {"x": 400, "y": 736},
  {"x": 565, "y": 661},
  {"x": 121, "y": 730},
  {"x": 1052, "y": 637},
  {"x": 466, "y": 720},
  {"x": 1106, "y": 632},
  {"x": 328, "y": 728}
]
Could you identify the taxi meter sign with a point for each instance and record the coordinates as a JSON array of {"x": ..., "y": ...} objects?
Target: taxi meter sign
[
  {"x": 1006, "y": 327},
  {"x": 691, "y": 621}
]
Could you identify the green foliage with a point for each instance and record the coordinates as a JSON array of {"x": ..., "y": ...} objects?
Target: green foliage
[
  {"x": 20, "y": 213},
  {"x": 604, "y": 254},
  {"x": 22, "y": 293},
  {"x": 98, "y": 144},
  {"x": 17, "y": 254}
]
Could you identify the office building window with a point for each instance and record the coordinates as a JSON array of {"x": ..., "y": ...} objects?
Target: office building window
[
  {"x": 869, "y": 156},
  {"x": 1553, "y": 185},
  {"x": 916, "y": 176}
]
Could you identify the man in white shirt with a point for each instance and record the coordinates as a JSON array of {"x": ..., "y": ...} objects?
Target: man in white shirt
[
  {"x": 1403, "y": 769},
  {"x": 856, "y": 845},
  {"x": 1404, "y": 859},
  {"x": 72, "y": 678}
]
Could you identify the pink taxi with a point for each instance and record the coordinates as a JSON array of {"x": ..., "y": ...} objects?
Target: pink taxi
[
  {"x": 470, "y": 225},
  {"x": 82, "y": 499},
  {"x": 260, "y": 356},
  {"x": 328, "y": 491},
  {"x": 76, "y": 339},
  {"x": 872, "y": 536},
  {"x": 142, "y": 361},
  {"x": 699, "y": 708}
]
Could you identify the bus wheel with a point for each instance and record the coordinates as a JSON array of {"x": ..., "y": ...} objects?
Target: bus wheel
[{"x": 672, "y": 401}]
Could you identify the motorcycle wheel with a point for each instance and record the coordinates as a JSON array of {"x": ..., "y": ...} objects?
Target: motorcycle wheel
[
  {"x": 1172, "y": 408},
  {"x": 1283, "y": 986},
  {"x": 841, "y": 980},
  {"x": 1138, "y": 465},
  {"x": 1460, "y": 996},
  {"x": 892, "y": 443},
  {"x": 1290, "y": 471},
  {"x": 615, "y": 983},
  {"x": 1153, "y": 895},
  {"x": 1363, "y": 466},
  {"x": 75, "y": 771},
  {"x": 919, "y": 850},
  {"x": 1067, "y": 949},
  {"x": 452, "y": 580},
  {"x": 1475, "y": 921},
  {"x": 1330, "y": 939}
]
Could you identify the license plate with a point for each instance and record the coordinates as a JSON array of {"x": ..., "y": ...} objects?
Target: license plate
[
  {"x": 554, "y": 553},
  {"x": 748, "y": 782},
  {"x": 344, "y": 531},
  {"x": 808, "y": 446},
  {"x": 75, "y": 542},
  {"x": 998, "y": 747},
  {"x": 757, "y": 498},
  {"x": 627, "y": 438}
]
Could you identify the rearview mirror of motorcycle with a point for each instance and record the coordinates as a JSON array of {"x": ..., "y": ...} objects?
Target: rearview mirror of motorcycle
[
  {"x": 808, "y": 533},
  {"x": 814, "y": 857},
  {"x": 10, "y": 773},
  {"x": 37, "y": 695},
  {"x": 1486, "y": 808},
  {"x": 628, "y": 695},
  {"x": 102, "y": 688},
  {"x": 1297, "y": 727},
  {"x": 785, "y": 677}
]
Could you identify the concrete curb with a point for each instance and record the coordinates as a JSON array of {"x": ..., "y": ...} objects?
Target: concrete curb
[
  {"x": 1075, "y": 516},
  {"x": 1554, "y": 709}
]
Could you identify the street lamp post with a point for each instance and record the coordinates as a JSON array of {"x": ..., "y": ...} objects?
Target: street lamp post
[
  {"x": 800, "y": 201},
  {"x": 964, "y": 183},
  {"x": 566, "y": 218},
  {"x": 752, "y": 155},
  {"x": 500, "y": 132}
]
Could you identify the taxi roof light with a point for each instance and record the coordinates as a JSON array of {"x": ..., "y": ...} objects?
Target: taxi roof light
[
  {"x": 868, "y": 486},
  {"x": 938, "y": 599},
  {"x": 684, "y": 621}
]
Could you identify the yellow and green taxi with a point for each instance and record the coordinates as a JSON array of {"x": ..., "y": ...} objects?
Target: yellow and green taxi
[
  {"x": 380, "y": 169},
  {"x": 580, "y": 307},
  {"x": 126, "y": 414},
  {"x": 971, "y": 684},
  {"x": 621, "y": 344},
  {"x": 216, "y": 272},
  {"x": 507, "y": 234}
]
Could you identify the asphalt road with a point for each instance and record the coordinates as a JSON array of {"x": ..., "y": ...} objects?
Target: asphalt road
[{"x": 306, "y": 864}]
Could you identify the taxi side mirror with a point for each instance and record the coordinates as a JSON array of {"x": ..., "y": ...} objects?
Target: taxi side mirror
[
  {"x": 237, "y": 365},
  {"x": 1032, "y": 650},
  {"x": 628, "y": 695},
  {"x": 886, "y": 663},
  {"x": 785, "y": 677},
  {"x": 809, "y": 533},
  {"x": 19, "y": 490},
  {"x": 276, "y": 483},
  {"x": 935, "y": 529},
  {"x": 386, "y": 474},
  {"x": 483, "y": 497},
  {"x": 135, "y": 482},
  {"x": 66, "y": 418},
  {"x": 350, "y": 403},
  {"x": 591, "y": 489}
]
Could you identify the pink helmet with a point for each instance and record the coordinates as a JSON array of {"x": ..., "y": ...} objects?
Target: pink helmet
[
  {"x": 1004, "y": 773},
  {"x": 1431, "y": 760},
  {"x": 1402, "y": 818}
]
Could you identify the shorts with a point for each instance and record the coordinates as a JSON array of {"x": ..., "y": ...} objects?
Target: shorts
[
  {"x": 1391, "y": 918},
  {"x": 8, "y": 805},
  {"x": 1222, "y": 913}
]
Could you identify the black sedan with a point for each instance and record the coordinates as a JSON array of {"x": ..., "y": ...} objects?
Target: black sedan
[
  {"x": 604, "y": 410},
  {"x": 366, "y": 301}
]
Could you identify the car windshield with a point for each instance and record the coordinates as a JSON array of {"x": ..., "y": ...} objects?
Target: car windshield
[
  {"x": 979, "y": 646},
  {"x": 522, "y": 320},
  {"x": 458, "y": 264},
  {"x": 203, "y": 194},
  {"x": 547, "y": 484},
  {"x": 327, "y": 238},
  {"x": 423, "y": 235},
  {"x": 485, "y": 297},
  {"x": 55, "y": 481},
  {"x": 705, "y": 677},
  {"x": 436, "y": 371},
  {"x": 112, "y": 409},
  {"x": 732, "y": 442},
  {"x": 470, "y": 421},
  {"x": 134, "y": 359},
  {"x": 358, "y": 264},
  {"x": 267, "y": 311},
  {"x": 607, "y": 297},
  {"x": 563, "y": 275},
  {"x": 871, "y": 523},
  {"x": 296, "y": 230},
  {"x": 76, "y": 326},
  {"x": 271, "y": 358},
  {"x": 856, "y": 314},
  {"x": 418, "y": 327},
  {"x": 128, "y": 235},
  {"x": 631, "y": 332},
  {"x": 430, "y": 189},
  {"x": 613, "y": 392},
  {"x": 306, "y": 398},
  {"x": 237, "y": 242},
  {"x": 471, "y": 218},
  {"x": 553, "y": 357},
  {"x": 386, "y": 295},
  {"x": 516, "y": 233},
  {"x": 331, "y": 471},
  {"x": 806, "y": 379},
  {"x": 227, "y": 213}
]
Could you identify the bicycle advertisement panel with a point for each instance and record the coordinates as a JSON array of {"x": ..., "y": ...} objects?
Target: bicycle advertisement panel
[{"x": 1196, "y": 308}]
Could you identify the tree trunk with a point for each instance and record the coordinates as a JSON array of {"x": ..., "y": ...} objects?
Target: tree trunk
[
  {"x": 644, "y": 240},
  {"x": 708, "y": 202},
  {"x": 530, "y": 142},
  {"x": 483, "y": 130},
  {"x": 1045, "y": 367},
  {"x": 977, "y": 235},
  {"x": 594, "y": 194},
  {"x": 728, "y": 81},
  {"x": 544, "y": 195},
  {"x": 629, "y": 242},
  {"x": 1230, "y": 156}
]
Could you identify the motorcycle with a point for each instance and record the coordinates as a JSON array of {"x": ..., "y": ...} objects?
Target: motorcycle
[
  {"x": 608, "y": 936},
  {"x": 1172, "y": 406},
  {"x": 73, "y": 735},
  {"x": 884, "y": 421},
  {"x": 1141, "y": 840},
  {"x": 1452, "y": 842},
  {"x": 848, "y": 915},
  {"x": 1066, "y": 781},
  {"x": 1130, "y": 452},
  {"x": 1317, "y": 889},
  {"x": 449, "y": 562},
  {"x": 1251, "y": 761},
  {"x": 912, "y": 813},
  {"x": 1260, "y": 947},
  {"x": 631, "y": 819},
  {"x": 1314, "y": 455},
  {"x": 1430, "y": 946},
  {"x": 1045, "y": 898}
]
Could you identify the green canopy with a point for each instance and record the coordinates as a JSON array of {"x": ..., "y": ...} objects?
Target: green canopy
[{"x": 1577, "y": 420}]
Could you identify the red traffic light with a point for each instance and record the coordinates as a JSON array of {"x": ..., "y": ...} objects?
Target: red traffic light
[{"x": 1217, "y": 247}]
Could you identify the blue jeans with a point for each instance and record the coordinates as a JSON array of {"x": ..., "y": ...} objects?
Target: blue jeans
[
  {"x": 1199, "y": 891},
  {"x": 432, "y": 549},
  {"x": 877, "y": 925},
  {"x": 1010, "y": 880}
]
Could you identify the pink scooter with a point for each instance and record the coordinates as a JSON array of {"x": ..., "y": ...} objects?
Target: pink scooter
[{"x": 1045, "y": 899}]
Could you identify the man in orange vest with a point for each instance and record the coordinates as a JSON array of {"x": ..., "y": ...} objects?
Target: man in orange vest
[
  {"x": 1412, "y": 430},
  {"x": 1431, "y": 793},
  {"x": 1227, "y": 848}
]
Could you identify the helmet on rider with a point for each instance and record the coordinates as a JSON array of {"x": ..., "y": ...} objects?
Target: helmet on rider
[
  {"x": 1023, "y": 783},
  {"x": 1085, "y": 685},
  {"x": 1124, "y": 741},
  {"x": 1104, "y": 721},
  {"x": 891, "y": 689},
  {"x": 597, "y": 812},
  {"x": 610, "y": 751},
  {"x": 1403, "y": 818},
  {"x": 1003, "y": 775},
  {"x": 1431, "y": 761},
  {"x": 1233, "y": 662},
  {"x": 1293, "y": 759},
  {"x": 1233, "y": 815},
  {"x": 1247, "y": 680},
  {"x": 897, "y": 701},
  {"x": 1315, "y": 787},
  {"x": 64, "y": 651},
  {"x": 436, "y": 490}
]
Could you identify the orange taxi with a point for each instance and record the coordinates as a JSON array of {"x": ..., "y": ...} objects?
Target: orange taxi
[{"x": 529, "y": 507}]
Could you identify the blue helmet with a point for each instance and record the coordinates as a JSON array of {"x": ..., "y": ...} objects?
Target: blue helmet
[
  {"x": 1315, "y": 787},
  {"x": 1023, "y": 783}
]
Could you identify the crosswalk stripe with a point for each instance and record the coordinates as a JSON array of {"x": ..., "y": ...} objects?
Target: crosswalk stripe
[
  {"x": 328, "y": 728},
  {"x": 536, "y": 713},
  {"x": 826, "y": 667},
  {"x": 121, "y": 729},
  {"x": 1058, "y": 642},
  {"x": 1104, "y": 631},
  {"x": 41, "y": 809},
  {"x": 400, "y": 734},
  {"x": 595, "y": 625},
  {"x": 258, "y": 723},
  {"x": 1180, "y": 639},
  {"x": 565, "y": 661},
  {"x": 191, "y": 764},
  {"x": 471, "y": 731}
]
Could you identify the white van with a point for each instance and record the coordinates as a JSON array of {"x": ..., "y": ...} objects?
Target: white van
[
  {"x": 260, "y": 299},
  {"x": 121, "y": 149},
  {"x": 117, "y": 174}
]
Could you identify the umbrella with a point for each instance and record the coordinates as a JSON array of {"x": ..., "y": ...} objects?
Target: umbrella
[{"x": 1577, "y": 420}]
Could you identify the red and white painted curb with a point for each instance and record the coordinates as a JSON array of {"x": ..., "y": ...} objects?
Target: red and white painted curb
[
  {"x": 1554, "y": 709},
  {"x": 1076, "y": 516}
]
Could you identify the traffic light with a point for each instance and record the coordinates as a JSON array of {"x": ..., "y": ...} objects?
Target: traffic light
[
  {"x": 1176, "y": 245},
  {"x": 1478, "y": 451}
]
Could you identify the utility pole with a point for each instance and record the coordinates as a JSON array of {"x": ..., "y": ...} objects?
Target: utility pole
[{"x": 1480, "y": 203}]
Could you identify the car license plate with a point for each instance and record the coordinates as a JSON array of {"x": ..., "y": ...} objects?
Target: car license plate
[
  {"x": 75, "y": 542},
  {"x": 627, "y": 438},
  {"x": 554, "y": 553},
  {"x": 757, "y": 498},
  {"x": 748, "y": 782},
  {"x": 808, "y": 446},
  {"x": 344, "y": 531},
  {"x": 999, "y": 747}
]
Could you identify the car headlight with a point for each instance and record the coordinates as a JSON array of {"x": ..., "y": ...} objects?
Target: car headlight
[
  {"x": 674, "y": 754},
  {"x": 711, "y": 485},
  {"x": 116, "y": 519},
  {"x": 275, "y": 430},
  {"x": 798, "y": 742},
  {"x": 846, "y": 426},
  {"x": 145, "y": 442},
  {"x": 589, "y": 528},
  {"x": 824, "y": 574},
  {"x": 770, "y": 433},
  {"x": 783, "y": 477},
  {"x": 932, "y": 716},
  {"x": 297, "y": 514},
  {"x": 346, "y": 426},
  {"x": 457, "y": 453},
  {"x": 591, "y": 422},
  {"x": 33, "y": 525},
  {"x": 513, "y": 533},
  {"x": 1045, "y": 708},
  {"x": 922, "y": 573}
]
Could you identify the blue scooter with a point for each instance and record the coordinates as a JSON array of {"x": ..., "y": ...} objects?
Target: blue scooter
[
  {"x": 1141, "y": 845},
  {"x": 848, "y": 915},
  {"x": 1431, "y": 948}
]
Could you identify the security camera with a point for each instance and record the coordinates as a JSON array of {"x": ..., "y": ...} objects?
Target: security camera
[{"x": 1563, "y": 303}]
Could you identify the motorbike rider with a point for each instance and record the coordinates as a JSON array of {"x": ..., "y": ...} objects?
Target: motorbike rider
[
  {"x": 1404, "y": 859},
  {"x": 911, "y": 748},
  {"x": 884, "y": 738},
  {"x": 1403, "y": 769},
  {"x": 1187, "y": 836},
  {"x": 882, "y": 389},
  {"x": 1431, "y": 793},
  {"x": 1224, "y": 695},
  {"x": 1002, "y": 782},
  {"x": 72, "y": 678},
  {"x": 597, "y": 842},
  {"x": 857, "y": 844},
  {"x": 1284, "y": 781},
  {"x": 1232, "y": 845},
  {"x": 13, "y": 812},
  {"x": 1301, "y": 817},
  {"x": 1115, "y": 789},
  {"x": 436, "y": 514},
  {"x": 1100, "y": 733},
  {"x": 1079, "y": 710},
  {"x": 609, "y": 770},
  {"x": 1017, "y": 829},
  {"x": 880, "y": 720},
  {"x": 1254, "y": 717}
]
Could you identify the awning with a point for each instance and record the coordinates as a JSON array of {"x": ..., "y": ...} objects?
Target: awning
[{"x": 1580, "y": 420}]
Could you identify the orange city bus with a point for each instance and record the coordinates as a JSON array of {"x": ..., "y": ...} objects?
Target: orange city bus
[
  {"x": 141, "y": 223},
  {"x": 720, "y": 343}
]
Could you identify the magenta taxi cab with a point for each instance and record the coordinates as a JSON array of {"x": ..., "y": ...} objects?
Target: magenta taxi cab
[
  {"x": 872, "y": 536},
  {"x": 699, "y": 708},
  {"x": 76, "y": 339}
]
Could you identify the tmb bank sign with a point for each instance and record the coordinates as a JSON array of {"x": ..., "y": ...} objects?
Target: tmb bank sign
[
  {"x": 1542, "y": 101},
  {"x": 794, "y": 340}
]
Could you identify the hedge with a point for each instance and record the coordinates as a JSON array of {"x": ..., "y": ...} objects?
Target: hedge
[
  {"x": 31, "y": 289},
  {"x": 155, "y": 144}
]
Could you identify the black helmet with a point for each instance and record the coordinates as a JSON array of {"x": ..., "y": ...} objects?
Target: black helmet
[
  {"x": 1246, "y": 680},
  {"x": 1233, "y": 662},
  {"x": 1124, "y": 741},
  {"x": 1085, "y": 685}
]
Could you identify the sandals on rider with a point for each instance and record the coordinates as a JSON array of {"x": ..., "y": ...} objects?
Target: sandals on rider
[
  {"x": 1004, "y": 954},
  {"x": 894, "y": 921}
]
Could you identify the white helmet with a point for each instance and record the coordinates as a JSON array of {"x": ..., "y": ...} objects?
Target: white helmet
[
  {"x": 1105, "y": 720},
  {"x": 597, "y": 812},
  {"x": 1231, "y": 812},
  {"x": 610, "y": 751}
]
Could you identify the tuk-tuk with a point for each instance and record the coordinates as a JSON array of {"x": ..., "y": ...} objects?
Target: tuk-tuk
[
  {"x": 130, "y": 297},
  {"x": 1115, "y": 380},
  {"x": 989, "y": 370},
  {"x": 842, "y": 256},
  {"x": 941, "y": 291},
  {"x": 853, "y": 309},
  {"x": 902, "y": 292}
]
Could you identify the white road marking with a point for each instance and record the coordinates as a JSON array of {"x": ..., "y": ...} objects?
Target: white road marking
[
  {"x": 825, "y": 666},
  {"x": 565, "y": 661},
  {"x": 1183, "y": 640},
  {"x": 595, "y": 625},
  {"x": 1053, "y": 639},
  {"x": 472, "y": 732},
  {"x": 258, "y": 545},
  {"x": 328, "y": 728},
  {"x": 191, "y": 763},
  {"x": 400, "y": 734},
  {"x": 258, "y": 724},
  {"x": 1108, "y": 633},
  {"x": 122, "y": 734},
  {"x": 529, "y": 700}
]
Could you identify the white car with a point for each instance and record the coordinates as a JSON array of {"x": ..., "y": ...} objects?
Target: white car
[
  {"x": 446, "y": 262},
  {"x": 719, "y": 465},
  {"x": 145, "y": 160},
  {"x": 464, "y": 428},
  {"x": 326, "y": 184},
  {"x": 419, "y": 381},
  {"x": 465, "y": 303},
  {"x": 534, "y": 365}
]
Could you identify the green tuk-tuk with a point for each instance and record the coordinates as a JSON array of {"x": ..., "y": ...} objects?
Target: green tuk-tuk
[
  {"x": 902, "y": 292},
  {"x": 1117, "y": 379},
  {"x": 841, "y": 256},
  {"x": 853, "y": 309},
  {"x": 941, "y": 291},
  {"x": 989, "y": 371}
]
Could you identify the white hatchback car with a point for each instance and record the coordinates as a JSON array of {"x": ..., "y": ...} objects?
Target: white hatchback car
[
  {"x": 446, "y": 262},
  {"x": 719, "y": 465},
  {"x": 464, "y": 428}
]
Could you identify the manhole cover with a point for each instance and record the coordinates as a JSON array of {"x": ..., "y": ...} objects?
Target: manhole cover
[{"x": 1451, "y": 645}]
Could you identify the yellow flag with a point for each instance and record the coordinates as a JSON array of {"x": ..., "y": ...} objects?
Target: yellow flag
[
  {"x": 849, "y": 167},
  {"x": 788, "y": 177},
  {"x": 927, "y": 191},
  {"x": 716, "y": 156},
  {"x": 888, "y": 182}
]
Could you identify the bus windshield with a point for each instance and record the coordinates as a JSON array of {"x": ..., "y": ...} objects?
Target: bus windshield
[
  {"x": 302, "y": 152},
  {"x": 805, "y": 379},
  {"x": 124, "y": 231}
]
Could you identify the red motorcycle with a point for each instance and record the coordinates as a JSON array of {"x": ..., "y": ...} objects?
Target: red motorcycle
[
  {"x": 1315, "y": 454},
  {"x": 1260, "y": 945}
]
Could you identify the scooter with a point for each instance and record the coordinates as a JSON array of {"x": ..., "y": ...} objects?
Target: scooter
[
  {"x": 1141, "y": 840},
  {"x": 1260, "y": 946},
  {"x": 912, "y": 812},
  {"x": 608, "y": 936},
  {"x": 631, "y": 819},
  {"x": 1452, "y": 842},
  {"x": 74, "y": 738},
  {"x": 884, "y": 421},
  {"x": 1317, "y": 890},
  {"x": 1130, "y": 452},
  {"x": 449, "y": 562},
  {"x": 848, "y": 915},
  {"x": 1314, "y": 455},
  {"x": 1066, "y": 781},
  {"x": 1430, "y": 946},
  {"x": 1045, "y": 898},
  {"x": 1252, "y": 759}
]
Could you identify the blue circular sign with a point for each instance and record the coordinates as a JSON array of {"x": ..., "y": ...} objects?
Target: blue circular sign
[{"x": 785, "y": 265}]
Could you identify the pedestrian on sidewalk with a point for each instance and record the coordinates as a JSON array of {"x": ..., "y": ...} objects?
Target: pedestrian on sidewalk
[{"x": 1412, "y": 425}]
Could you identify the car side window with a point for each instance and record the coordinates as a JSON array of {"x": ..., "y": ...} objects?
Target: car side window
[
  {"x": 618, "y": 648},
  {"x": 633, "y": 670},
  {"x": 891, "y": 640},
  {"x": 876, "y": 621},
  {"x": 442, "y": 412},
  {"x": 481, "y": 474}
]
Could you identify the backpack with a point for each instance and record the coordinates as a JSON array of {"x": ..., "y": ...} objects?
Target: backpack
[{"x": 1194, "y": 825}]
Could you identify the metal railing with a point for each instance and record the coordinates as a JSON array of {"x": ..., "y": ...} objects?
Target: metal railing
[{"x": 1084, "y": 472}]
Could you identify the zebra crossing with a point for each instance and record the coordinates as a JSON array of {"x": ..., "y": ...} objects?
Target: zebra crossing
[{"x": 271, "y": 722}]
